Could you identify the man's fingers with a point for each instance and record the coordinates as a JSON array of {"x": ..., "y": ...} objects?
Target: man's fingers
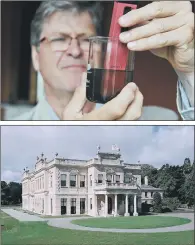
[
  {"x": 135, "y": 109},
  {"x": 115, "y": 108},
  {"x": 153, "y": 27},
  {"x": 88, "y": 107},
  {"x": 78, "y": 100},
  {"x": 158, "y": 9}
]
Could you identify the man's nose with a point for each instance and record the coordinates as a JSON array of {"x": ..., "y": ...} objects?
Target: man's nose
[{"x": 74, "y": 49}]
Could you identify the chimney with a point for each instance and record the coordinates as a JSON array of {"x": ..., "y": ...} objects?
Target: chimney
[{"x": 146, "y": 180}]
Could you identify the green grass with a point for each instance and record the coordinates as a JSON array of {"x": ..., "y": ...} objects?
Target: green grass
[
  {"x": 141, "y": 222},
  {"x": 39, "y": 233}
]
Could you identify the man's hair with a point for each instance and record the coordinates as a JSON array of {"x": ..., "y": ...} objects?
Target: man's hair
[{"x": 47, "y": 8}]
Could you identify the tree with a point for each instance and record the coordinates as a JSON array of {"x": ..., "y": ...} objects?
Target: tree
[
  {"x": 187, "y": 167},
  {"x": 157, "y": 202},
  {"x": 15, "y": 192},
  {"x": 188, "y": 187},
  {"x": 11, "y": 193},
  {"x": 150, "y": 171}
]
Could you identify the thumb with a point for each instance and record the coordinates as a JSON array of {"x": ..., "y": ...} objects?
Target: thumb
[{"x": 76, "y": 104}]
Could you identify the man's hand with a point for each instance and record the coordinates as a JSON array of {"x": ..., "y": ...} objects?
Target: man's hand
[
  {"x": 166, "y": 28},
  {"x": 126, "y": 106}
]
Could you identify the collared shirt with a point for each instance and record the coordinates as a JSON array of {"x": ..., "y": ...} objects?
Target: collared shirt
[{"x": 183, "y": 104}]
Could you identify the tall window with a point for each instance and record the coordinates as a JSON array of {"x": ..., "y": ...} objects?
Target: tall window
[
  {"x": 82, "y": 205},
  {"x": 151, "y": 194},
  {"x": 82, "y": 180},
  {"x": 90, "y": 203},
  {"x": 43, "y": 204},
  {"x": 109, "y": 178},
  {"x": 63, "y": 180},
  {"x": 51, "y": 181},
  {"x": 73, "y": 180},
  {"x": 127, "y": 179},
  {"x": 73, "y": 205},
  {"x": 51, "y": 206},
  {"x": 100, "y": 178},
  {"x": 146, "y": 194},
  {"x": 117, "y": 178},
  {"x": 63, "y": 205},
  {"x": 90, "y": 179},
  {"x": 43, "y": 182}
]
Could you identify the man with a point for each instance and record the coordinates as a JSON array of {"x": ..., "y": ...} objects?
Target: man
[{"x": 59, "y": 35}]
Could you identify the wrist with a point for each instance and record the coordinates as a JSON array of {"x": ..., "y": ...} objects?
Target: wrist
[{"x": 187, "y": 80}]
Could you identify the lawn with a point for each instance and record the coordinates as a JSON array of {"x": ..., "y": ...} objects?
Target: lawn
[
  {"x": 141, "y": 222},
  {"x": 39, "y": 233}
]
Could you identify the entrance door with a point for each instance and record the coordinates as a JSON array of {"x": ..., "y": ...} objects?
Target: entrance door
[{"x": 109, "y": 205}]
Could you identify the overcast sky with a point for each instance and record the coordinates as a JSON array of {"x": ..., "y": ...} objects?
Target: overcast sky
[{"x": 20, "y": 145}]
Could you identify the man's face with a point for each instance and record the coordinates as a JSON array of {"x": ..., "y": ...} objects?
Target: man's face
[{"x": 61, "y": 66}]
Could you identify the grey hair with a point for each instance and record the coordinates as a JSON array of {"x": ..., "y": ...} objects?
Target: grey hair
[{"x": 47, "y": 8}]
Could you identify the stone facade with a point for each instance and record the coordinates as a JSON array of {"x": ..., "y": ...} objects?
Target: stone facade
[{"x": 102, "y": 186}]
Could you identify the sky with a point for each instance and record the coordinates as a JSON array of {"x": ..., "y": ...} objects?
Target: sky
[{"x": 156, "y": 145}]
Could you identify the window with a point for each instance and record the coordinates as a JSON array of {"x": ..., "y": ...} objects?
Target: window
[
  {"x": 43, "y": 181},
  {"x": 73, "y": 205},
  {"x": 51, "y": 206},
  {"x": 90, "y": 203},
  {"x": 90, "y": 179},
  {"x": 43, "y": 204},
  {"x": 63, "y": 180},
  {"x": 127, "y": 179},
  {"x": 51, "y": 180},
  {"x": 82, "y": 180},
  {"x": 100, "y": 178},
  {"x": 82, "y": 205},
  {"x": 73, "y": 180},
  {"x": 109, "y": 178},
  {"x": 146, "y": 194},
  {"x": 117, "y": 178},
  {"x": 151, "y": 194},
  {"x": 63, "y": 205}
]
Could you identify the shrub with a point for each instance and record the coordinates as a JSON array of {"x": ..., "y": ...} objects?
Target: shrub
[
  {"x": 171, "y": 202},
  {"x": 157, "y": 202}
]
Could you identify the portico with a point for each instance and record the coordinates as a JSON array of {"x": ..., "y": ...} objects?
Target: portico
[{"x": 115, "y": 204}]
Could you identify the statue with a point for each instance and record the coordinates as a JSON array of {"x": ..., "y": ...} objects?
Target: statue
[
  {"x": 115, "y": 148},
  {"x": 98, "y": 149}
]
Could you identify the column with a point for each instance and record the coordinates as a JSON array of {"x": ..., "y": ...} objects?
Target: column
[
  {"x": 68, "y": 205},
  {"x": 106, "y": 205},
  {"x": 135, "y": 206},
  {"x": 116, "y": 208},
  {"x": 126, "y": 205},
  {"x": 95, "y": 205},
  {"x": 78, "y": 206}
]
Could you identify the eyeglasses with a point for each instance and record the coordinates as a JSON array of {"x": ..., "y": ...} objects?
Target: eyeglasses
[{"x": 62, "y": 42}]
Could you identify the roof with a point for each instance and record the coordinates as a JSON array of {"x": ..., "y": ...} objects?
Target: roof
[{"x": 149, "y": 187}]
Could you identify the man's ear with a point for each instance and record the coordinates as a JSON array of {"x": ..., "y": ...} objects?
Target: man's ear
[{"x": 35, "y": 58}]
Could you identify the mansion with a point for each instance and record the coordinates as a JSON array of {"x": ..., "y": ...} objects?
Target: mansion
[{"x": 102, "y": 186}]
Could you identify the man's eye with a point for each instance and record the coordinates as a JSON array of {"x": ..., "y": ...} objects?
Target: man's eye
[
  {"x": 59, "y": 39},
  {"x": 85, "y": 40}
]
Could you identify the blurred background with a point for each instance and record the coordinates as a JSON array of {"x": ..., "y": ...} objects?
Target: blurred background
[{"x": 21, "y": 86}]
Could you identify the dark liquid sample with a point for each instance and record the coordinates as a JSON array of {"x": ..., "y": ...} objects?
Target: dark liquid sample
[{"x": 103, "y": 85}]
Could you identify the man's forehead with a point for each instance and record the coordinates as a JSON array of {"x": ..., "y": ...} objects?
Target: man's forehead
[{"x": 69, "y": 22}]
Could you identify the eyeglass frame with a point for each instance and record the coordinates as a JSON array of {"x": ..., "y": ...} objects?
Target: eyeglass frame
[{"x": 47, "y": 39}]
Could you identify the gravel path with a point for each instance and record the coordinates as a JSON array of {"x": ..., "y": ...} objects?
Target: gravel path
[
  {"x": 66, "y": 224},
  {"x": 21, "y": 216}
]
